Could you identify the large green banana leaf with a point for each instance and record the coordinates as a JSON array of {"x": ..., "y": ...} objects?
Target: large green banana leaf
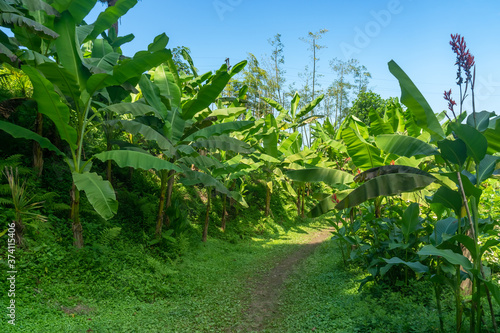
[
  {"x": 448, "y": 226},
  {"x": 480, "y": 120},
  {"x": 209, "y": 92},
  {"x": 195, "y": 177},
  {"x": 275, "y": 105},
  {"x": 134, "y": 127},
  {"x": 7, "y": 19},
  {"x": 378, "y": 125},
  {"x": 486, "y": 168},
  {"x": 111, "y": 15},
  {"x": 160, "y": 42},
  {"x": 219, "y": 129},
  {"x": 453, "y": 151},
  {"x": 331, "y": 177},
  {"x": 49, "y": 104},
  {"x": 136, "y": 160},
  {"x": 151, "y": 93},
  {"x": 448, "y": 198},
  {"x": 141, "y": 62},
  {"x": 270, "y": 138},
  {"x": 63, "y": 79},
  {"x": 136, "y": 109},
  {"x": 77, "y": 8},
  {"x": 403, "y": 145},
  {"x": 99, "y": 192},
  {"x": 452, "y": 257},
  {"x": 225, "y": 143},
  {"x": 492, "y": 134},
  {"x": 385, "y": 185},
  {"x": 227, "y": 112},
  {"x": 309, "y": 106},
  {"x": 410, "y": 220},
  {"x": 289, "y": 143},
  {"x": 69, "y": 53},
  {"x": 101, "y": 47},
  {"x": 363, "y": 155},
  {"x": 202, "y": 162},
  {"x": 416, "y": 266},
  {"x": 327, "y": 204},
  {"x": 388, "y": 169},
  {"x": 34, "y": 5},
  {"x": 475, "y": 141},
  {"x": 416, "y": 103},
  {"x": 165, "y": 81},
  {"x": 21, "y": 132}
]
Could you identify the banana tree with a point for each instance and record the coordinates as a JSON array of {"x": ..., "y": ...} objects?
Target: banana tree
[
  {"x": 285, "y": 128},
  {"x": 180, "y": 127},
  {"x": 211, "y": 177},
  {"x": 65, "y": 89}
]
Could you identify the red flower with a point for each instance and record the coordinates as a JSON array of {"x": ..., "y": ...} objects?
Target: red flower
[
  {"x": 392, "y": 162},
  {"x": 451, "y": 102},
  {"x": 465, "y": 60}
]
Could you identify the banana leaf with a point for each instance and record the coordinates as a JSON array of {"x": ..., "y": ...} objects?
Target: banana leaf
[
  {"x": 136, "y": 160},
  {"x": 415, "y": 102},
  {"x": 49, "y": 104},
  {"x": 111, "y": 15},
  {"x": 403, "y": 145},
  {"x": 331, "y": 177},
  {"x": 363, "y": 155},
  {"x": 385, "y": 185},
  {"x": 99, "y": 192},
  {"x": 21, "y": 132}
]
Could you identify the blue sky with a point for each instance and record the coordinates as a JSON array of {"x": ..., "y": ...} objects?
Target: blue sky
[{"x": 414, "y": 33}]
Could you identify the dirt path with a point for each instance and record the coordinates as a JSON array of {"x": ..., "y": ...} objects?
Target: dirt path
[{"x": 265, "y": 290}]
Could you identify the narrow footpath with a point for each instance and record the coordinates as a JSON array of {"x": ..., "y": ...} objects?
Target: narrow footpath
[{"x": 265, "y": 290}]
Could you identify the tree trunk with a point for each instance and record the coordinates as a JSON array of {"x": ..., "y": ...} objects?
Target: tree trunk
[
  {"x": 75, "y": 217},
  {"x": 19, "y": 231},
  {"x": 170, "y": 188},
  {"x": 223, "y": 220},
  {"x": 268, "y": 200},
  {"x": 303, "y": 200},
  {"x": 37, "y": 150},
  {"x": 161, "y": 207},
  {"x": 298, "y": 200},
  {"x": 207, "y": 216}
]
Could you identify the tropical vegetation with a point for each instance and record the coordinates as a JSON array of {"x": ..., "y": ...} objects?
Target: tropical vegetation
[{"x": 123, "y": 174}]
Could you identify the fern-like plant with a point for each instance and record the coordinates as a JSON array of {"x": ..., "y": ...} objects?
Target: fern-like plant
[{"x": 22, "y": 204}]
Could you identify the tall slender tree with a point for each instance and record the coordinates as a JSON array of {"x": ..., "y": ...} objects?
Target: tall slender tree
[
  {"x": 277, "y": 60},
  {"x": 341, "y": 86},
  {"x": 311, "y": 39}
]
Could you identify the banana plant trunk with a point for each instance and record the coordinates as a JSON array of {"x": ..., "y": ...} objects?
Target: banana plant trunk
[
  {"x": 161, "y": 207},
  {"x": 298, "y": 201},
  {"x": 268, "y": 200},
  {"x": 75, "y": 217},
  {"x": 170, "y": 188},
  {"x": 37, "y": 150},
  {"x": 303, "y": 202},
  {"x": 223, "y": 219},
  {"x": 207, "y": 216}
]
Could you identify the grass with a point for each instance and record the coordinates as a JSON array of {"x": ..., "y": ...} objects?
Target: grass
[
  {"x": 127, "y": 289},
  {"x": 322, "y": 296}
]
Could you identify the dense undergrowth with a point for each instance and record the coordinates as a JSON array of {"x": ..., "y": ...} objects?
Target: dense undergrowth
[{"x": 120, "y": 281}]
